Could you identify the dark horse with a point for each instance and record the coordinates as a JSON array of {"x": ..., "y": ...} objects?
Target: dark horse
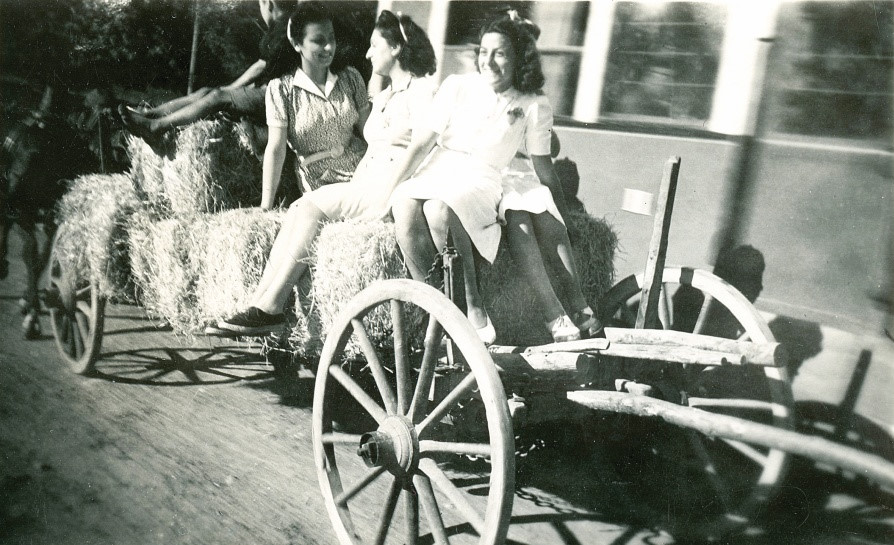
[{"x": 41, "y": 151}]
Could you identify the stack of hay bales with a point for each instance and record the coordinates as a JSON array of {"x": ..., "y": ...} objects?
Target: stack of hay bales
[
  {"x": 195, "y": 251},
  {"x": 349, "y": 256},
  {"x": 93, "y": 219}
]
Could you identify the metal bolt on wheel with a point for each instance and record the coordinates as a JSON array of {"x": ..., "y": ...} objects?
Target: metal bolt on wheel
[{"x": 400, "y": 447}]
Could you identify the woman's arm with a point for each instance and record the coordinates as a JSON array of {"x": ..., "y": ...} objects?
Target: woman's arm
[
  {"x": 420, "y": 146},
  {"x": 543, "y": 167},
  {"x": 274, "y": 157}
]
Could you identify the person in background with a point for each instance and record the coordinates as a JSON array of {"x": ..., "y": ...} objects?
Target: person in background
[
  {"x": 242, "y": 97},
  {"x": 478, "y": 122},
  {"x": 399, "y": 50}
]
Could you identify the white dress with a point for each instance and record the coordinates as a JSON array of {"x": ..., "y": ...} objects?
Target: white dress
[
  {"x": 395, "y": 112},
  {"x": 480, "y": 131},
  {"x": 522, "y": 190}
]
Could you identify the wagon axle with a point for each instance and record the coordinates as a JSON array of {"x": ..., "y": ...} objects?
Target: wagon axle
[{"x": 394, "y": 446}]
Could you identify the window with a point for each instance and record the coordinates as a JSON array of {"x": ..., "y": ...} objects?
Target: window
[
  {"x": 663, "y": 60},
  {"x": 832, "y": 72}
]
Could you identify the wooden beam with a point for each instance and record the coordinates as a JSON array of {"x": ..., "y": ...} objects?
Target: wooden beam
[
  {"x": 647, "y": 315},
  {"x": 819, "y": 449}
]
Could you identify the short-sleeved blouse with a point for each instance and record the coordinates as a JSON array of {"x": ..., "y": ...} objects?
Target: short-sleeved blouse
[
  {"x": 480, "y": 131},
  {"x": 320, "y": 121},
  {"x": 396, "y": 112}
]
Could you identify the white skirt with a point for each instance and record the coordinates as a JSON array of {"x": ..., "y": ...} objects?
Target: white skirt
[
  {"x": 522, "y": 190},
  {"x": 471, "y": 188}
]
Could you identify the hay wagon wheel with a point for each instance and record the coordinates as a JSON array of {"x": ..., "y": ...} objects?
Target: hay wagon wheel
[
  {"x": 739, "y": 478},
  {"x": 411, "y": 449},
  {"x": 77, "y": 314}
]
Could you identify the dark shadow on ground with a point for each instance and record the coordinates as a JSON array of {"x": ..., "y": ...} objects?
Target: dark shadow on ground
[
  {"x": 164, "y": 366},
  {"x": 802, "y": 339}
]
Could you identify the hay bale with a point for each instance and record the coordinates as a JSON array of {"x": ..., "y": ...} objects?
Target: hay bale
[
  {"x": 146, "y": 170},
  {"x": 94, "y": 216},
  {"x": 230, "y": 254},
  {"x": 507, "y": 294},
  {"x": 193, "y": 270},
  {"x": 212, "y": 168},
  {"x": 347, "y": 257},
  {"x": 163, "y": 271}
]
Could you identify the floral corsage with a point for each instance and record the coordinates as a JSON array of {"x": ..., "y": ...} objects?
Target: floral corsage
[{"x": 515, "y": 114}]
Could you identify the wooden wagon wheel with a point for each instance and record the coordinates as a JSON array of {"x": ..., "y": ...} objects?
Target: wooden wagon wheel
[
  {"x": 740, "y": 478},
  {"x": 77, "y": 313},
  {"x": 411, "y": 449}
]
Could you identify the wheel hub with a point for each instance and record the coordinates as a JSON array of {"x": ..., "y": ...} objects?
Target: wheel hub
[{"x": 394, "y": 446}]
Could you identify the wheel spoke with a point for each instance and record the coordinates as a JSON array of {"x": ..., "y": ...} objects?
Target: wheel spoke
[
  {"x": 83, "y": 293},
  {"x": 702, "y": 319},
  {"x": 336, "y": 438},
  {"x": 388, "y": 512},
  {"x": 744, "y": 337},
  {"x": 83, "y": 326},
  {"x": 372, "y": 359},
  {"x": 411, "y": 511},
  {"x": 748, "y": 451},
  {"x": 664, "y": 312},
  {"x": 469, "y": 449},
  {"x": 462, "y": 389},
  {"x": 346, "y": 496},
  {"x": 454, "y": 494},
  {"x": 64, "y": 327},
  {"x": 401, "y": 363},
  {"x": 430, "y": 507},
  {"x": 357, "y": 392},
  {"x": 709, "y": 468},
  {"x": 84, "y": 307},
  {"x": 426, "y": 369},
  {"x": 78, "y": 347}
]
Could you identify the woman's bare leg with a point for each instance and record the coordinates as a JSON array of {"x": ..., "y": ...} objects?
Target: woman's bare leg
[
  {"x": 212, "y": 102},
  {"x": 523, "y": 246},
  {"x": 288, "y": 256},
  {"x": 442, "y": 219},
  {"x": 413, "y": 237},
  {"x": 172, "y": 106},
  {"x": 555, "y": 248}
]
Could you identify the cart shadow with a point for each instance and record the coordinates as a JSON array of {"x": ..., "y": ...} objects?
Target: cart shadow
[
  {"x": 575, "y": 471},
  {"x": 165, "y": 366}
]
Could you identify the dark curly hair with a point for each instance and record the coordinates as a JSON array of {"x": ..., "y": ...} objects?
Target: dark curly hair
[
  {"x": 528, "y": 72},
  {"x": 417, "y": 56},
  {"x": 308, "y": 13}
]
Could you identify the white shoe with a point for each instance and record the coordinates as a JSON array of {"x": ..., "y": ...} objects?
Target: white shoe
[{"x": 563, "y": 329}]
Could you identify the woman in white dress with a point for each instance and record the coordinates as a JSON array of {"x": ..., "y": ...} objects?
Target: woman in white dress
[
  {"x": 478, "y": 123},
  {"x": 400, "y": 50}
]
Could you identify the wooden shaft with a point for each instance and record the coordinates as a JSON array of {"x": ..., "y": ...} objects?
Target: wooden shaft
[
  {"x": 815, "y": 448},
  {"x": 654, "y": 345},
  {"x": 647, "y": 314}
]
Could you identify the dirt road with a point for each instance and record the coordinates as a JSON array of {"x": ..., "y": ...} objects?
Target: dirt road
[{"x": 198, "y": 441}]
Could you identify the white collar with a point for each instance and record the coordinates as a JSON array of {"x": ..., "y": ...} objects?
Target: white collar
[{"x": 303, "y": 81}]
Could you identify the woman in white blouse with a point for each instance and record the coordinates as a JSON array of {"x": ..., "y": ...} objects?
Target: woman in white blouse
[
  {"x": 400, "y": 50},
  {"x": 478, "y": 122}
]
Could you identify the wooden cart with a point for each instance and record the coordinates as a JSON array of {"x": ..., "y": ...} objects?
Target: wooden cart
[{"x": 432, "y": 427}]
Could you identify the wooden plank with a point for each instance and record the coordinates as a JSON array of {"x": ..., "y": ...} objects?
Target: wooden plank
[
  {"x": 869, "y": 466},
  {"x": 647, "y": 315}
]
